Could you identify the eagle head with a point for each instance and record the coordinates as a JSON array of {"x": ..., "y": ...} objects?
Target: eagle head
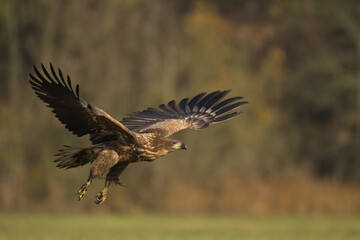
[{"x": 175, "y": 145}]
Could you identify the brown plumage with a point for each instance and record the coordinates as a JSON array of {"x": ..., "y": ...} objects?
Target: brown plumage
[{"x": 142, "y": 136}]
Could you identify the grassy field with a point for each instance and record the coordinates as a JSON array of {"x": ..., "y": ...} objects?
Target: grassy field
[{"x": 102, "y": 226}]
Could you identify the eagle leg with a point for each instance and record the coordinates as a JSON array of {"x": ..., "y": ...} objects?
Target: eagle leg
[
  {"x": 112, "y": 176},
  {"x": 82, "y": 190},
  {"x": 101, "y": 196}
]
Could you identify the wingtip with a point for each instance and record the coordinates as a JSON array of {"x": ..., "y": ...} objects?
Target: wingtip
[
  {"x": 44, "y": 70},
  {"x": 227, "y": 117},
  {"x": 225, "y": 92},
  {"x": 77, "y": 90},
  {"x": 51, "y": 66}
]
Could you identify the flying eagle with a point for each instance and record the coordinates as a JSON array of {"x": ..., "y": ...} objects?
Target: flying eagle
[{"x": 142, "y": 136}]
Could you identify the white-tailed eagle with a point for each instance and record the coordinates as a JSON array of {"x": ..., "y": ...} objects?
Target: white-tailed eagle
[{"x": 142, "y": 136}]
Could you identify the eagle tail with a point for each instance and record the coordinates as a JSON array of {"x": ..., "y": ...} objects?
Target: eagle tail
[{"x": 71, "y": 157}]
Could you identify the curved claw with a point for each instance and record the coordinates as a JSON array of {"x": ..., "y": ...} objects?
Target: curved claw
[
  {"x": 101, "y": 196},
  {"x": 83, "y": 190}
]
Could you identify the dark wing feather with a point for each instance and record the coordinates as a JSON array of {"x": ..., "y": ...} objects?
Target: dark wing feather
[
  {"x": 196, "y": 113},
  {"x": 79, "y": 117}
]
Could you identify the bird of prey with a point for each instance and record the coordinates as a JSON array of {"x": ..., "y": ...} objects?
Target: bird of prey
[{"x": 142, "y": 136}]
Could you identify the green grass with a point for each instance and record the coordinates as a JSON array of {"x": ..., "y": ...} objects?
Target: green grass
[{"x": 100, "y": 226}]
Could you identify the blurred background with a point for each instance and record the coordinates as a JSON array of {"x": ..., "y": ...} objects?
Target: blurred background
[{"x": 296, "y": 149}]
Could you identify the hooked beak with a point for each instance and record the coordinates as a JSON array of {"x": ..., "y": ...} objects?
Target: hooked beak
[
  {"x": 179, "y": 145},
  {"x": 183, "y": 146}
]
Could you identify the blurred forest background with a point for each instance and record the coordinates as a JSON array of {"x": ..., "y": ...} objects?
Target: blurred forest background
[{"x": 296, "y": 149}]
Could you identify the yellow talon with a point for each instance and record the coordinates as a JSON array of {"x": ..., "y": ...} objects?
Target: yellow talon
[
  {"x": 101, "y": 196},
  {"x": 83, "y": 190}
]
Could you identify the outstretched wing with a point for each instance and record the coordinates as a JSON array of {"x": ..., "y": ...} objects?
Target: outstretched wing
[
  {"x": 79, "y": 117},
  {"x": 197, "y": 113}
]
